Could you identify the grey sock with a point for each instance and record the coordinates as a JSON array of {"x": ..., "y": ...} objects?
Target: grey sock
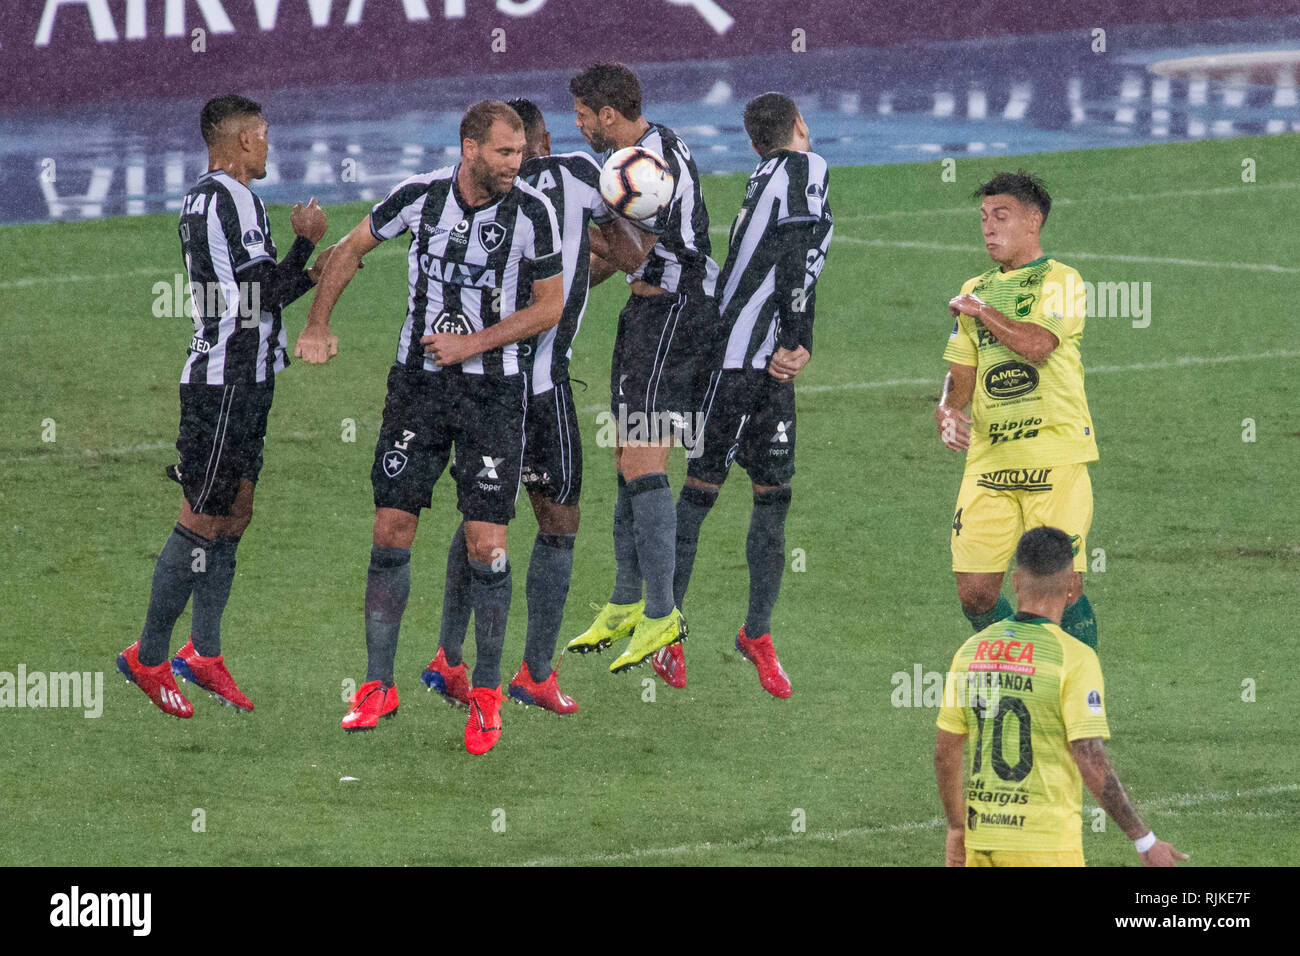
[
  {"x": 765, "y": 550},
  {"x": 173, "y": 579},
  {"x": 549, "y": 570},
  {"x": 388, "y": 584},
  {"x": 489, "y": 594},
  {"x": 455, "y": 600},
  {"x": 211, "y": 591},
  {"x": 627, "y": 578},
  {"x": 654, "y": 519},
  {"x": 693, "y": 506}
]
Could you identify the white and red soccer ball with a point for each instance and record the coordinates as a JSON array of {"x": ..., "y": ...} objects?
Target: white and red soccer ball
[{"x": 636, "y": 183}]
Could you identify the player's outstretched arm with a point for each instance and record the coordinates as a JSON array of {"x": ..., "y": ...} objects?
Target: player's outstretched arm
[
  {"x": 316, "y": 344},
  {"x": 1102, "y": 781},
  {"x": 542, "y": 313},
  {"x": 950, "y": 415},
  {"x": 948, "y": 748},
  {"x": 1030, "y": 341}
]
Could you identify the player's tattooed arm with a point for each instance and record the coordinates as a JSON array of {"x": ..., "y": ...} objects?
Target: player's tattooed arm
[
  {"x": 950, "y": 415},
  {"x": 1100, "y": 778},
  {"x": 316, "y": 344},
  {"x": 948, "y": 755},
  {"x": 1031, "y": 342}
]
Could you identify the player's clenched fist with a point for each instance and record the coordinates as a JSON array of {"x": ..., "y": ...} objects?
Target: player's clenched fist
[
  {"x": 954, "y": 427},
  {"x": 316, "y": 345},
  {"x": 308, "y": 221}
]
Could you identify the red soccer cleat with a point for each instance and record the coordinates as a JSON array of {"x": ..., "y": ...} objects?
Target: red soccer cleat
[
  {"x": 209, "y": 673},
  {"x": 371, "y": 701},
  {"x": 546, "y": 695},
  {"x": 483, "y": 728},
  {"x": 156, "y": 682},
  {"x": 670, "y": 664},
  {"x": 451, "y": 682},
  {"x": 763, "y": 655}
]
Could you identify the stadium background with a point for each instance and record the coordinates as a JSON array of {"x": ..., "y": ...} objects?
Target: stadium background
[{"x": 1197, "y": 599}]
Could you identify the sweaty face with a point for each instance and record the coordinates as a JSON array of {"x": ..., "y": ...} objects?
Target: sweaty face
[
  {"x": 497, "y": 164},
  {"x": 1009, "y": 225},
  {"x": 588, "y": 124}
]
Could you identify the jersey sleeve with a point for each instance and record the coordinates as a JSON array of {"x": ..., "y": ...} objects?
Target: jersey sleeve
[
  {"x": 238, "y": 214},
  {"x": 399, "y": 210},
  {"x": 1083, "y": 693},
  {"x": 961, "y": 348},
  {"x": 541, "y": 246},
  {"x": 807, "y": 179},
  {"x": 952, "y": 716}
]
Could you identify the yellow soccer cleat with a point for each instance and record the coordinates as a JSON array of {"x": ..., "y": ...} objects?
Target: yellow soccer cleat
[
  {"x": 613, "y": 623},
  {"x": 651, "y": 634}
]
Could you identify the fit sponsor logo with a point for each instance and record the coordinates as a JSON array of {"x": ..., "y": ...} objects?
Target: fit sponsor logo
[
  {"x": 40, "y": 690},
  {"x": 75, "y": 909},
  {"x": 650, "y": 428},
  {"x": 451, "y": 322},
  {"x": 1010, "y": 380}
]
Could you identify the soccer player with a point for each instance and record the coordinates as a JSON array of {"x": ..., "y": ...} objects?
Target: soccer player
[
  {"x": 669, "y": 322},
  {"x": 777, "y": 250},
  {"x": 1033, "y": 697},
  {"x": 1014, "y": 358},
  {"x": 238, "y": 291},
  {"x": 552, "y": 466},
  {"x": 483, "y": 243}
]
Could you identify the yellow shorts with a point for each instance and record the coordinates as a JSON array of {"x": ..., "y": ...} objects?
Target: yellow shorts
[
  {"x": 1024, "y": 858},
  {"x": 995, "y": 509}
]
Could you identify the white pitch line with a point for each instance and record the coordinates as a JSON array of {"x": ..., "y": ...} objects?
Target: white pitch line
[
  {"x": 1178, "y": 800},
  {"x": 1186, "y": 361}
]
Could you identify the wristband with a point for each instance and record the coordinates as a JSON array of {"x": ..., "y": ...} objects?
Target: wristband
[{"x": 1142, "y": 844}]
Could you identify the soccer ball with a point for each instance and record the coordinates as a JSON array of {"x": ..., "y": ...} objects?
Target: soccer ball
[{"x": 636, "y": 183}]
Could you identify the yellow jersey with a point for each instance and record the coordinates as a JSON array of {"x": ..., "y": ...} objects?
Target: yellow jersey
[
  {"x": 1026, "y": 415},
  {"x": 1022, "y": 690}
]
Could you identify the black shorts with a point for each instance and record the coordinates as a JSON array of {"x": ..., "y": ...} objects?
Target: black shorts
[
  {"x": 664, "y": 347},
  {"x": 425, "y": 413},
  {"x": 749, "y": 419},
  {"x": 222, "y": 431},
  {"x": 553, "y": 446}
]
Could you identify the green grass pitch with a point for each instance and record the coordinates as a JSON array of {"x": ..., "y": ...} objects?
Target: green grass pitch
[{"x": 1197, "y": 603}]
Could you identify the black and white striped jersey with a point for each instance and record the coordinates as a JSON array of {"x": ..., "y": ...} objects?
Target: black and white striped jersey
[
  {"x": 230, "y": 259},
  {"x": 777, "y": 249},
  {"x": 468, "y": 266},
  {"x": 680, "y": 260},
  {"x": 571, "y": 181}
]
